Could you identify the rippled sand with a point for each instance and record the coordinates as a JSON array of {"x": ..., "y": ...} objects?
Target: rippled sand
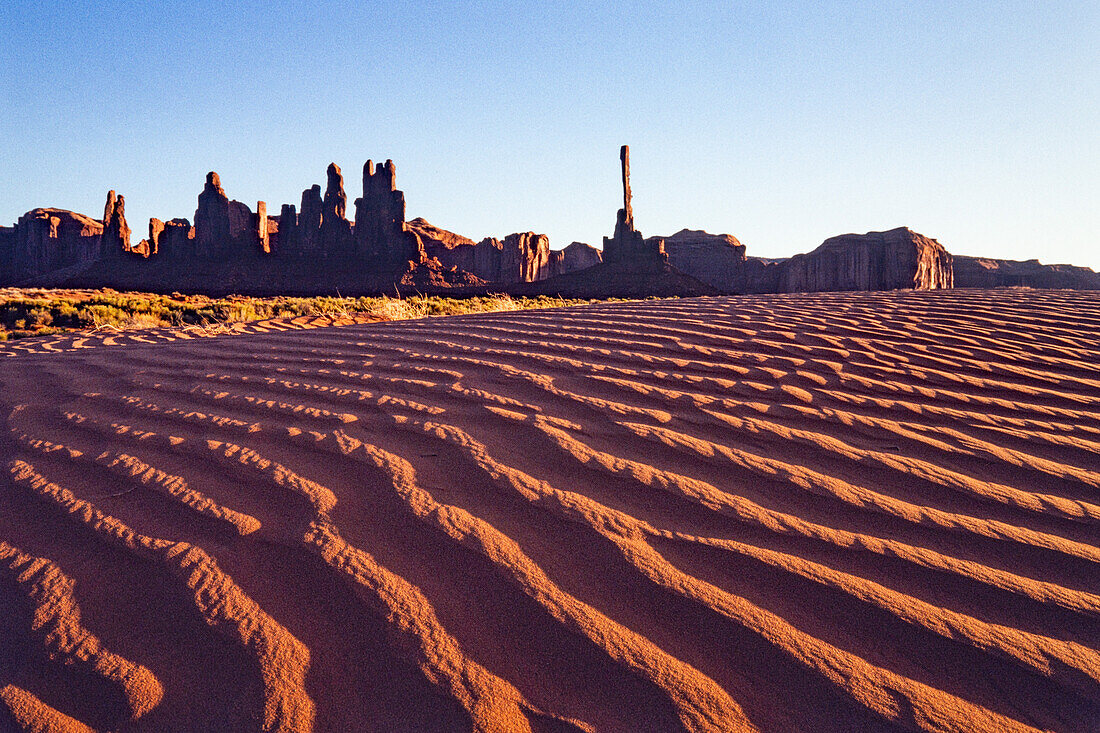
[{"x": 868, "y": 511}]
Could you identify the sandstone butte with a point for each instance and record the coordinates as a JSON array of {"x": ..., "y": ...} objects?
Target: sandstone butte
[{"x": 315, "y": 249}]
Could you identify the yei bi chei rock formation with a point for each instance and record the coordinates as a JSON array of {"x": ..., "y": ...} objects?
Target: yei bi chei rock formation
[{"x": 315, "y": 248}]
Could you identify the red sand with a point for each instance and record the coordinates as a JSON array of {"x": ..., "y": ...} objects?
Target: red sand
[{"x": 868, "y": 511}]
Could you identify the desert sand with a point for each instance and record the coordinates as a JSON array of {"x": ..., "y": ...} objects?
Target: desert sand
[{"x": 864, "y": 511}]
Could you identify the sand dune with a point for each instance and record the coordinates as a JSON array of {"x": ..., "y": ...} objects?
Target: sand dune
[{"x": 867, "y": 511}]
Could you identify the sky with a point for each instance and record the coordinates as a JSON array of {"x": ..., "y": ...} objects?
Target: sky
[{"x": 975, "y": 123}]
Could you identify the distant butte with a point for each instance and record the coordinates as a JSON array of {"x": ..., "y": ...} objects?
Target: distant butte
[{"x": 314, "y": 249}]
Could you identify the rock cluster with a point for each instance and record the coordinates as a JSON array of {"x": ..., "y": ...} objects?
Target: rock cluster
[
  {"x": 522, "y": 257},
  {"x": 315, "y": 248}
]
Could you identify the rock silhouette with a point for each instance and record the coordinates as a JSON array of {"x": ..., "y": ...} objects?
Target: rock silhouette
[{"x": 48, "y": 240}]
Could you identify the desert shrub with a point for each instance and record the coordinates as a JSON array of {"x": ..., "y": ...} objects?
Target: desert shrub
[{"x": 34, "y": 312}]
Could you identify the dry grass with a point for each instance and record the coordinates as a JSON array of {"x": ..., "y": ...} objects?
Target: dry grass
[{"x": 38, "y": 312}]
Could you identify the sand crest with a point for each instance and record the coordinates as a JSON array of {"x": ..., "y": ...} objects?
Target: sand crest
[{"x": 865, "y": 511}]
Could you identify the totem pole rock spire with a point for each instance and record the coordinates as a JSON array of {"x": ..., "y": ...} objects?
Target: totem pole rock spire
[
  {"x": 627, "y": 244},
  {"x": 628, "y": 211}
]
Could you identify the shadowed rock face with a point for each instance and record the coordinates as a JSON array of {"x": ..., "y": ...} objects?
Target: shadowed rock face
[
  {"x": 309, "y": 223},
  {"x": 288, "y": 230},
  {"x": 576, "y": 256},
  {"x": 177, "y": 241},
  {"x": 212, "y": 219},
  {"x": 715, "y": 259},
  {"x": 984, "y": 272},
  {"x": 381, "y": 235},
  {"x": 335, "y": 235},
  {"x": 899, "y": 258},
  {"x": 48, "y": 239}
]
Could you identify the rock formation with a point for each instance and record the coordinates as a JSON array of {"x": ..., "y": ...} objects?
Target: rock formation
[
  {"x": 309, "y": 224},
  {"x": 212, "y": 219},
  {"x": 899, "y": 258},
  {"x": 524, "y": 258},
  {"x": 481, "y": 259},
  {"x": 983, "y": 272},
  {"x": 627, "y": 245},
  {"x": 262, "y": 238},
  {"x": 156, "y": 228},
  {"x": 116, "y": 233},
  {"x": 47, "y": 239},
  {"x": 242, "y": 229},
  {"x": 521, "y": 257},
  {"x": 177, "y": 241},
  {"x": 381, "y": 235},
  {"x": 335, "y": 236},
  {"x": 8, "y": 255},
  {"x": 715, "y": 259},
  {"x": 288, "y": 229},
  {"x": 576, "y": 256},
  {"x": 316, "y": 249}
]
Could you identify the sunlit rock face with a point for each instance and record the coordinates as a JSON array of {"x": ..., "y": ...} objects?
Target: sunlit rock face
[{"x": 899, "y": 258}]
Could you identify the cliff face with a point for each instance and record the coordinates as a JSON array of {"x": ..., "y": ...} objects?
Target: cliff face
[
  {"x": 715, "y": 259},
  {"x": 982, "y": 272},
  {"x": 899, "y": 258}
]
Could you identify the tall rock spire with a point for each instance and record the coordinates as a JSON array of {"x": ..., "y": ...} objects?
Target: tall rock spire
[
  {"x": 380, "y": 232},
  {"x": 336, "y": 237},
  {"x": 212, "y": 219},
  {"x": 116, "y": 233},
  {"x": 628, "y": 210},
  {"x": 628, "y": 245}
]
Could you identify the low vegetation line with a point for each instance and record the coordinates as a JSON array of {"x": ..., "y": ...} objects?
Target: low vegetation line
[{"x": 40, "y": 312}]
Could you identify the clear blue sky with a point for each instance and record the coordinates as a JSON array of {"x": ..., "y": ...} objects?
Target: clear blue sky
[{"x": 781, "y": 123}]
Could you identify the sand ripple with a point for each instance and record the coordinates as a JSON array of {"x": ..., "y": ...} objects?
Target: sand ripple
[{"x": 868, "y": 511}]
